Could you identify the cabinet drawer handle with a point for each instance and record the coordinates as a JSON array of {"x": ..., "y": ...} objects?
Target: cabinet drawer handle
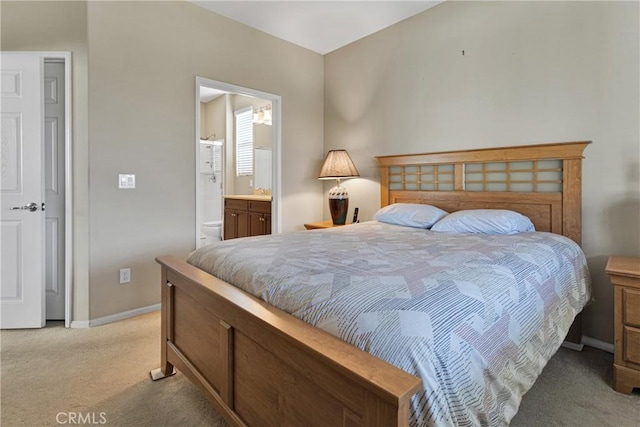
[{"x": 261, "y": 218}]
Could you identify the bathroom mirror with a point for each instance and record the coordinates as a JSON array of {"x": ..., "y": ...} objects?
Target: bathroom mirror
[{"x": 262, "y": 165}]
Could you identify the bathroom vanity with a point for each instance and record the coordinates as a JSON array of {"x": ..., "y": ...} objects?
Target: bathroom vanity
[{"x": 246, "y": 215}]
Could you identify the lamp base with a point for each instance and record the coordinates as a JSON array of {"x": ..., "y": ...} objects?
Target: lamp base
[{"x": 338, "y": 208}]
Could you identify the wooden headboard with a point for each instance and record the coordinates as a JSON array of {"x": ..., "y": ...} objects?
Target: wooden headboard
[{"x": 543, "y": 182}]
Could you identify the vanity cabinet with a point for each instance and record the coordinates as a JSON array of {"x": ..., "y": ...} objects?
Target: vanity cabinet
[
  {"x": 243, "y": 218},
  {"x": 259, "y": 218},
  {"x": 236, "y": 219}
]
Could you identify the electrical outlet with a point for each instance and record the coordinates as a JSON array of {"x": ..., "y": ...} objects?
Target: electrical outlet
[{"x": 125, "y": 275}]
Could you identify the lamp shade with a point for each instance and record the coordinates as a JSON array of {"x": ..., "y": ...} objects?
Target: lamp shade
[{"x": 337, "y": 165}]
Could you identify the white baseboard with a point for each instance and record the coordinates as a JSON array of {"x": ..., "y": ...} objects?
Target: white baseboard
[
  {"x": 78, "y": 324},
  {"x": 600, "y": 345},
  {"x": 572, "y": 346},
  {"x": 114, "y": 317}
]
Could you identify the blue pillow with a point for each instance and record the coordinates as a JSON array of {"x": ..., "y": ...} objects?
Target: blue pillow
[
  {"x": 485, "y": 221},
  {"x": 410, "y": 215}
]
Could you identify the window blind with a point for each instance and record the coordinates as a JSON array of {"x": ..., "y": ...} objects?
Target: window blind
[{"x": 244, "y": 141}]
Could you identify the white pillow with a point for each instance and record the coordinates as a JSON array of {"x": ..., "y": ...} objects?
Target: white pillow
[
  {"x": 410, "y": 215},
  {"x": 485, "y": 221}
]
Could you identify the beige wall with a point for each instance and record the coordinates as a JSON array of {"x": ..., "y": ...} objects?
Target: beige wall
[
  {"x": 61, "y": 26},
  {"x": 213, "y": 118},
  {"x": 532, "y": 72},
  {"x": 144, "y": 57},
  {"x": 134, "y": 112}
]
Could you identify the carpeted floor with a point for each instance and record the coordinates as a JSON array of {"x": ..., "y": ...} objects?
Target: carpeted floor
[
  {"x": 575, "y": 389},
  {"x": 50, "y": 375}
]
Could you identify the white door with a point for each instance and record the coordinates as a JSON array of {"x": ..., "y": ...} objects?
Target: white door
[
  {"x": 22, "y": 296},
  {"x": 54, "y": 168}
]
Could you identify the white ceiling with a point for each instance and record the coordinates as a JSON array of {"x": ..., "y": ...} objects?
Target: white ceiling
[
  {"x": 208, "y": 94},
  {"x": 321, "y": 26}
]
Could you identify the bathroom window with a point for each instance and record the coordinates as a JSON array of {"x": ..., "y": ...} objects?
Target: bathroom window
[{"x": 244, "y": 141}]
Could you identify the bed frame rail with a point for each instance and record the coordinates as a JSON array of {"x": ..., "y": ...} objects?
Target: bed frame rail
[{"x": 261, "y": 368}]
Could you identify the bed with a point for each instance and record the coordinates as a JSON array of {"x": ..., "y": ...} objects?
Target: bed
[{"x": 263, "y": 366}]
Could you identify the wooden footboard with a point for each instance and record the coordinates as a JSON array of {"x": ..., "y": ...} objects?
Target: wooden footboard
[{"x": 261, "y": 366}]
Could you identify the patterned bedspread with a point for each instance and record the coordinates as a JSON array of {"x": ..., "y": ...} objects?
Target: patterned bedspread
[{"x": 475, "y": 317}]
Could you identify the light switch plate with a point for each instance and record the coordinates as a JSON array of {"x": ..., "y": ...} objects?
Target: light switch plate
[{"x": 126, "y": 181}]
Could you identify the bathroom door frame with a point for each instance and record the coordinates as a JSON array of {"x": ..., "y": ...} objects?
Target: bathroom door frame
[{"x": 276, "y": 129}]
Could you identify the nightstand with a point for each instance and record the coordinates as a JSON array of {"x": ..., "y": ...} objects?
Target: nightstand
[
  {"x": 321, "y": 224},
  {"x": 625, "y": 278}
]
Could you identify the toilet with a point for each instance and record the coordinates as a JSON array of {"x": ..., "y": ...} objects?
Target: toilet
[{"x": 212, "y": 231}]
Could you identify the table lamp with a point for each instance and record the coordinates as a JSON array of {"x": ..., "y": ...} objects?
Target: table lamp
[{"x": 338, "y": 165}]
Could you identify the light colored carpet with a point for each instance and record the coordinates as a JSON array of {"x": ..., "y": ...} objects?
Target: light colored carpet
[
  {"x": 575, "y": 389},
  {"x": 106, "y": 370}
]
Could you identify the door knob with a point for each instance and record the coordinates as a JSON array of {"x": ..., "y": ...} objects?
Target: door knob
[{"x": 31, "y": 207}]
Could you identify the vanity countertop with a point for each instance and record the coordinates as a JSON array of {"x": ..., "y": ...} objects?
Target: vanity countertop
[{"x": 248, "y": 197}]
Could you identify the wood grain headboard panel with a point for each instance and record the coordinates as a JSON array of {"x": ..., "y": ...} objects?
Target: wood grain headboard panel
[{"x": 543, "y": 182}]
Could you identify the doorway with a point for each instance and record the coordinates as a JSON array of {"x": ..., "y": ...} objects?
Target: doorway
[
  {"x": 217, "y": 175},
  {"x": 45, "y": 202}
]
